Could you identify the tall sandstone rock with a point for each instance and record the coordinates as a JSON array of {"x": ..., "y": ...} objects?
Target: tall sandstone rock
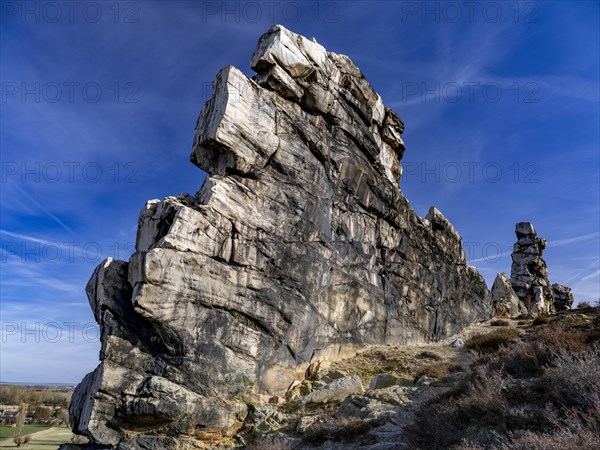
[
  {"x": 298, "y": 247},
  {"x": 529, "y": 273}
]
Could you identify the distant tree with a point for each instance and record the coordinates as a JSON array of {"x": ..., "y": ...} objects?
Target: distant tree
[
  {"x": 63, "y": 414},
  {"x": 11, "y": 395},
  {"x": 19, "y": 439},
  {"x": 42, "y": 413}
]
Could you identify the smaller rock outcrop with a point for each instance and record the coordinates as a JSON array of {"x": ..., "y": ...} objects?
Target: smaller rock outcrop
[
  {"x": 529, "y": 274},
  {"x": 506, "y": 301},
  {"x": 563, "y": 298}
]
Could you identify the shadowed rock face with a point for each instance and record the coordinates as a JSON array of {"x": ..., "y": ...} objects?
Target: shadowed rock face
[
  {"x": 563, "y": 298},
  {"x": 298, "y": 247}
]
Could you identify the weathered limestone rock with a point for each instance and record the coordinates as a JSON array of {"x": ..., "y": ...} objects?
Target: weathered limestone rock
[
  {"x": 337, "y": 390},
  {"x": 563, "y": 298},
  {"x": 299, "y": 247},
  {"x": 383, "y": 380},
  {"x": 529, "y": 274},
  {"x": 506, "y": 302}
]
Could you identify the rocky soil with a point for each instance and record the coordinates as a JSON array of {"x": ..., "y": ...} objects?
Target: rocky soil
[{"x": 379, "y": 398}]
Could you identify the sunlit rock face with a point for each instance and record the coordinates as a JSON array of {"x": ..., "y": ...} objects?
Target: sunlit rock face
[
  {"x": 529, "y": 273},
  {"x": 505, "y": 300},
  {"x": 298, "y": 247}
]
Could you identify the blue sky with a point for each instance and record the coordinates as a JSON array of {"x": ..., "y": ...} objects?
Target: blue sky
[{"x": 500, "y": 101}]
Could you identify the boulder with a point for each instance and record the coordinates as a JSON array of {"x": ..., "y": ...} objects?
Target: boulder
[
  {"x": 337, "y": 390},
  {"x": 383, "y": 380}
]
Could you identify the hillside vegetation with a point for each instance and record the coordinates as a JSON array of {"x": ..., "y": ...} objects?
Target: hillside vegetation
[{"x": 531, "y": 384}]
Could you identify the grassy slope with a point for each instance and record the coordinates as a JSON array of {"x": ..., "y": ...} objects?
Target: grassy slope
[
  {"x": 6, "y": 431},
  {"x": 49, "y": 439}
]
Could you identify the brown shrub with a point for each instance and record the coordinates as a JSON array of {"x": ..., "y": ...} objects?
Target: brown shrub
[
  {"x": 584, "y": 305},
  {"x": 438, "y": 369},
  {"x": 541, "y": 320},
  {"x": 491, "y": 342},
  {"x": 557, "y": 398},
  {"x": 554, "y": 339},
  {"x": 520, "y": 360},
  {"x": 500, "y": 323},
  {"x": 582, "y": 439},
  {"x": 344, "y": 429},
  {"x": 574, "y": 430},
  {"x": 530, "y": 358},
  {"x": 474, "y": 405},
  {"x": 429, "y": 355},
  {"x": 574, "y": 379}
]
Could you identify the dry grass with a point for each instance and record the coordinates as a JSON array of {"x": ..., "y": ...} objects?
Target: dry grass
[
  {"x": 339, "y": 429},
  {"x": 490, "y": 342},
  {"x": 541, "y": 320},
  {"x": 500, "y": 323},
  {"x": 538, "y": 392},
  {"x": 271, "y": 443},
  {"x": 574, "y": 379},
  {"x": 438, "y": 369}
]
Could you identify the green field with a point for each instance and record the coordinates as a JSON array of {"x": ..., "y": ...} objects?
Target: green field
[
  {"x": 46, "y": 440},
  {"x": 6, "y": 431}
]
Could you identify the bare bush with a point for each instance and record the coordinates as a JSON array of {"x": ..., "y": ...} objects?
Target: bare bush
[
  {"x": 271, "y": 443},
  {"x": 574, "y": 379},
  {"x": 338, "y": 429},
  {"x": 541, "y": 320},
  {"x": 542, "y": 392},
  {"x": 491, "y": 342},
  {"x": 438, "y": 369},
  {"x": 558, "y": 440},
  {"x": 554, "y": 339}
]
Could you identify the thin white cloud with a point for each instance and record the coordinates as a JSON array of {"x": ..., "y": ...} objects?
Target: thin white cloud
[
  {"x": 572, "y": 240},
  {"x": 43, "y": 209},
  {"x": 591, "y": 275},
  {"x": 24, "y": 237},
  {"x": 581, "y": 272}
]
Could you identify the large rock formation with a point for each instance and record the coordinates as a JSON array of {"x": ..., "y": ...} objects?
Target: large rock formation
[
  {"x": 563, "y": 298},
  {"x": 529, "y": 274},
  {"x": 505, "y": 300},
  {"x": 298, "y": 247}
]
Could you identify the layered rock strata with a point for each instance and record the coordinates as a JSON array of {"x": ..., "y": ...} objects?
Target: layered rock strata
[
  {"x": 299, "y": 247},
  {"x": 563, "y": 298},
  {"x": 529, "y": 274}
]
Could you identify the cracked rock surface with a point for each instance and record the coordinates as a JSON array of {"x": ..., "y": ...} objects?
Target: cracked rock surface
[
  {"x": 529, "y": 273},
  {"x": 298, "y": 247}
]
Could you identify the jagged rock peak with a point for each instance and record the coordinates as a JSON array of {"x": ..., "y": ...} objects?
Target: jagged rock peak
[
  {"x": 328, "y": 86},
  {"x": 563, "y": 298},
  {"x": 298, "y": 248},
  {"x": 529, "y": 274},
  {"x": 506, "y": 302}
]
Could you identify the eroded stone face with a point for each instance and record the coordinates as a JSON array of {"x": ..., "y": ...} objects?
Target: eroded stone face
[
  {"x": 506, "y": 302},
  {"x": 529, "y": 274},
  {"x": 298, "y": 247},
  {"x": 563, "y": 298}
]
